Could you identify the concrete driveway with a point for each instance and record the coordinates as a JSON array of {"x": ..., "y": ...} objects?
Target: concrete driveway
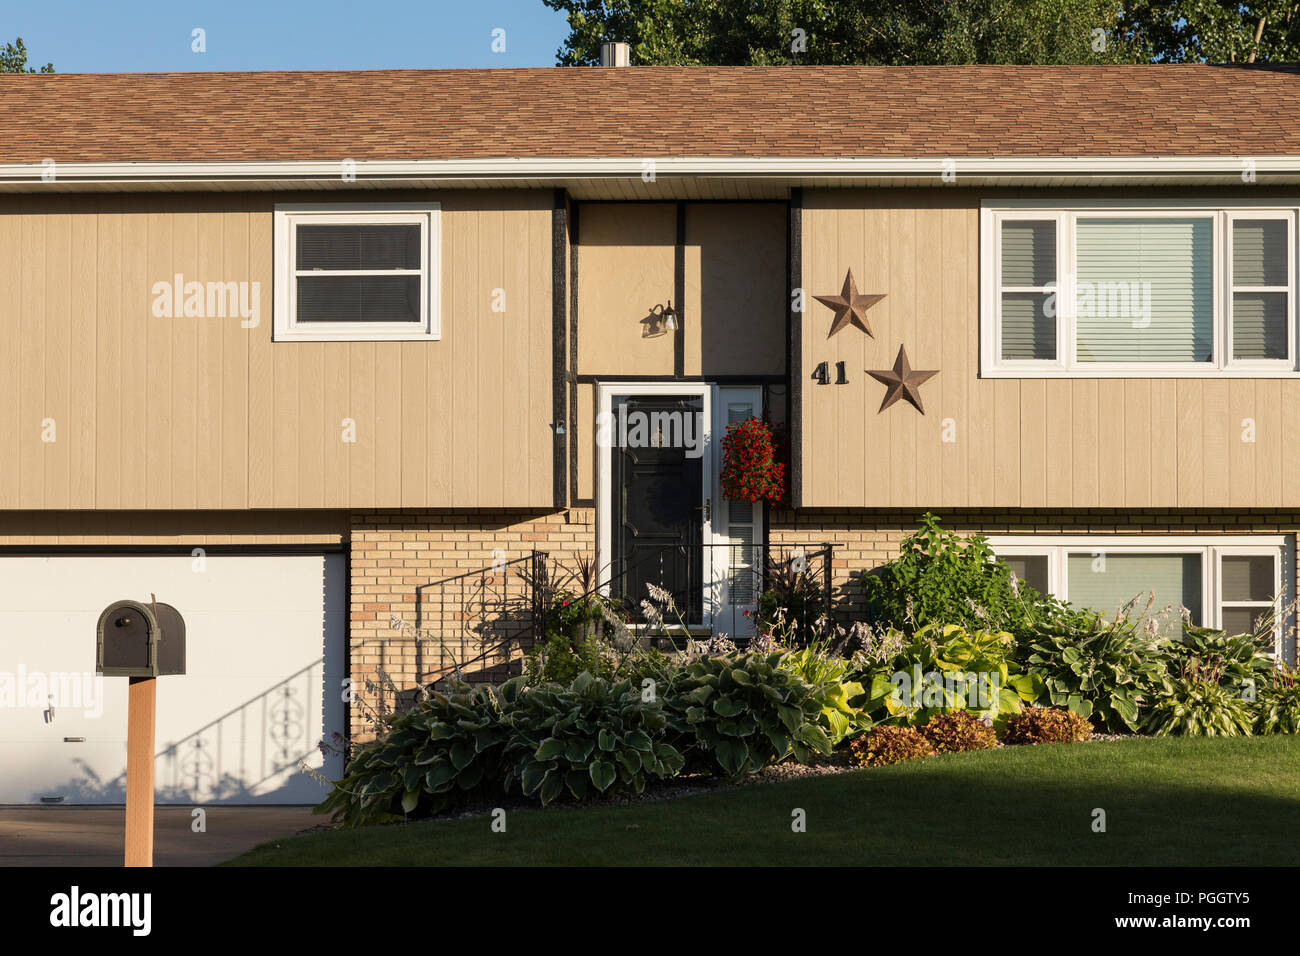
[{"x": 94, "y": 836}]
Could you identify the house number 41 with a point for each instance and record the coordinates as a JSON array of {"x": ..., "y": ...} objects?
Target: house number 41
[{"x": 821, "y": 374}]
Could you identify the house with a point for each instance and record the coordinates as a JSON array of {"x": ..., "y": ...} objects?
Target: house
[{"x": 336, "y": 361}]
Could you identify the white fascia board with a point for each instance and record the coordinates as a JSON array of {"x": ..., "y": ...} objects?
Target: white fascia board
[{"x": 661, "y": 167}]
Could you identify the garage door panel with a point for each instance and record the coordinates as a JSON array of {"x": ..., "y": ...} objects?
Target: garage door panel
[{"x": 264, "y": 652}]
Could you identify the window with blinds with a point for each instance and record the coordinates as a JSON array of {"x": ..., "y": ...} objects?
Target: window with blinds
[
  {"x": 1261, "y": 288},
  {"x": 1028, "y": 289},
  {"x": 355, "y": 273},
  {"x": 1183, "y": 291},
  {"x": 1143, "y": 290},
  {"x": 1232, "y": 583}
]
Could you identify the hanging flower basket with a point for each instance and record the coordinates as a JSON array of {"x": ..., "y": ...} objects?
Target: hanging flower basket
[{"x": 750, "y": 470}]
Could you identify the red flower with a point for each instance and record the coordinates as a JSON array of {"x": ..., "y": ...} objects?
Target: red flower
[{"x": 750, "y": 471}]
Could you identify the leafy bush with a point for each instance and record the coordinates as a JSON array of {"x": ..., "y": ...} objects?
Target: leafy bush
[
  {"x": 444, "y": 751},
  {"x": 558, "y": 662},
  {"x": 889, "y": 743},
  {"x": 1047, "y": 725},
  {"x": 1196, "y": 703},
  {"x": 738, "y": 712},
  {"x": 594, "y": 736},
  {"x": 938, "y": 668},
  {"x": 827, "y": 673},
  {"x": 1278, "y": 707},
  {"x": 941, "y": 578},
  {"x": 1099, "y": 669},
  {"x": 958, "y": 731}
]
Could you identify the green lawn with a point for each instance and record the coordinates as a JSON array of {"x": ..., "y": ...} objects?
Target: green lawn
[{"x": 1168, "y": 802}]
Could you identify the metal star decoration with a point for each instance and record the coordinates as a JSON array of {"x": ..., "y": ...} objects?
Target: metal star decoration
[
  {"x": 902, "y": 381},
  {"x": 850, "y": 308}
]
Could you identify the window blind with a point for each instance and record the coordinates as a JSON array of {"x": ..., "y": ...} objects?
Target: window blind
[
  {"x": 1106, "y": 583},
  {"x": 1259, "y": 317},
  {"x": 1144, "y": 289},
  {"x": 1028, "y": 262}
]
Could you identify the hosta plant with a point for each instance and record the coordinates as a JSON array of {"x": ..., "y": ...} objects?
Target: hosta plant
[
  {"x": 1244, "y": 660},
  {"x": 736, "y": 713},
  {"x": 942, "y": 667},
  {"x": 1102, "y": 670},
  {"x": 593, "y": 737},
  {"x": 1197, "y": 703},
  {"x": 889, "y": 743},
  {"x": 840, "y": 716},
  {"x": 1047, "y": 725},
  {"x": 1277, "y": 710},
  {"x": 441, "y": 752},
  {"x": 958, "y": 731}
]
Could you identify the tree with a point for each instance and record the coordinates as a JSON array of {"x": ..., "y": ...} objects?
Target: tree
[
  {"x": 933, "y": 31},
  {"x": 1215, "y": 31},
  {"x": 849, "y": 31},
  {"x": 13, "y": 59}
]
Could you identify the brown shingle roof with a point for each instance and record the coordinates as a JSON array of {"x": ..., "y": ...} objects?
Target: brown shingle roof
[{"x": 652, "y": 111}]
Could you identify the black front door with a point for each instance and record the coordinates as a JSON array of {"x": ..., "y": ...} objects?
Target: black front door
[{"x": 657, "y": 498}]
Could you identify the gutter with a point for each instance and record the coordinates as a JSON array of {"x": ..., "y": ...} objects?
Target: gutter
[{"x": 960, "y": 169}]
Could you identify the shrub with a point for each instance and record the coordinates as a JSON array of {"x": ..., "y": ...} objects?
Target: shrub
[
  {"x": 1197, "y": 703},
  {"x": 958, "y": 731},
  {"x": 941, "y": 578},
  {"x": 827, "y": 674},
  {"x": 594, "y": 736},
  {"x": 738, "y": 712},
  {"x": 888, "y": 744},
  {"x": 1047, "y": 725},
  {"x": 938, "y": 668},
  {"x": 1278, "y": 708},
  {"x": 558, "y": 662},
  {"x": 1099, "y": 669},
  {"x": 444, "y": 751}
]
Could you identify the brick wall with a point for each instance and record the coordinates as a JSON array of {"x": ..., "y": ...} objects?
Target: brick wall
[{"x": 471, "y": 571}]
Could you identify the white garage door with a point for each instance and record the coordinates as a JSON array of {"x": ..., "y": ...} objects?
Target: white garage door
[{"x": 264, "y": 649}]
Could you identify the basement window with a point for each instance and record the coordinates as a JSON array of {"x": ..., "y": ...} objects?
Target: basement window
[
  {"x": 1227, "y": 582},
  {"x": 356, "y": 273}
]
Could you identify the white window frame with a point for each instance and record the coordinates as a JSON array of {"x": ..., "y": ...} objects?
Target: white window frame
[
  {"x": 1066, "y": 364},
  {"x": 1210, "y": 548},
  {"x": 288, "y": 216}
]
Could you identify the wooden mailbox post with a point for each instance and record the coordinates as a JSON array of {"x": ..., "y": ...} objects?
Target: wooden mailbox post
[{"x": 141, "y": 642}]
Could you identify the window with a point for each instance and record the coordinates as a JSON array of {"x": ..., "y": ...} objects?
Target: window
[
  {"x": 1224, "y": 582},
  {"x": 1103, "y": 291},
  {"x": 349, "y": 272}
]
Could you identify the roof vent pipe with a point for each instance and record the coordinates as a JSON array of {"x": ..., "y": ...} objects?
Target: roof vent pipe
[{"x": 616, "y": 54}]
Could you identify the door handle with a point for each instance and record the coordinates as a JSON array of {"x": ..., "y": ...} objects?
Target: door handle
[{"x": 707, "y": 508}]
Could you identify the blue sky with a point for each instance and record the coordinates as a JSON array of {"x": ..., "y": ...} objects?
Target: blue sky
[{"x": 92, "y": 36}]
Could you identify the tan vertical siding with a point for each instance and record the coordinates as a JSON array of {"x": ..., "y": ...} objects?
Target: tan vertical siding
[
  {"x": 1032, "y": 443},
  {"x": 199, "y": 413}
]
